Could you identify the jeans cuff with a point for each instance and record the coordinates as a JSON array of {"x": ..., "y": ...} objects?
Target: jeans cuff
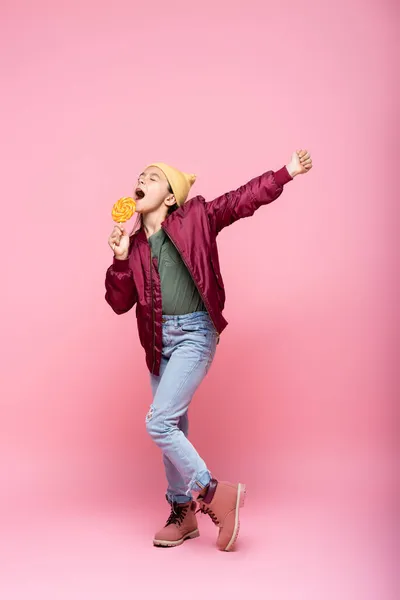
[
  {"x": 200, "y": 481},
  {"x": 179, "y": 499}
]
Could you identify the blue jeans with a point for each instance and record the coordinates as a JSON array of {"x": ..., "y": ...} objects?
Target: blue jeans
[{"x": 189, "y": 345}]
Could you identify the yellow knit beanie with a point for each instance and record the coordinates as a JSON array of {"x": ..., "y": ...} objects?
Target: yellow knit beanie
[{"x": 180, "y": 182}]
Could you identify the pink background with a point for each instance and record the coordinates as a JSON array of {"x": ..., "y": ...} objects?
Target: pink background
[{"x": 300, "y": 401}]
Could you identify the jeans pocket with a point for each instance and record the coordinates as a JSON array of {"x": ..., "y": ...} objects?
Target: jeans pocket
[{"x": 194, "y": 328}]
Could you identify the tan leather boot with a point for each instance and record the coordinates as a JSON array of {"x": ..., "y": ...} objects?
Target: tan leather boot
[
  {"x": 181, "y": 526},
  {"x": 222, "y": 502}
]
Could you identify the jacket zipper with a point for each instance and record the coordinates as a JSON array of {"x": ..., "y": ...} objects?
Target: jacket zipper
[
  {"x": 152, "y": 314},
  {"x": 201, "y": 295}
]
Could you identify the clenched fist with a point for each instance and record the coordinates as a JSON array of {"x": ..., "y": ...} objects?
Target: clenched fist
[
  {"x": 300, "y": 163},
  {"x": 119, "y": 242}
]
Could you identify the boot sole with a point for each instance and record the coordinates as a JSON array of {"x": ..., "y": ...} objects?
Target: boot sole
[
  {"x": 241, "y": 497},
  {"x": 170, "y": 544}
]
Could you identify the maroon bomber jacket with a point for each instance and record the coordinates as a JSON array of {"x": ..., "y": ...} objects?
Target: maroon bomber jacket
[{"x": 193, "y": 229}]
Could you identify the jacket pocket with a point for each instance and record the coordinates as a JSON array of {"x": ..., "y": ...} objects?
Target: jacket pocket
[
  {"x": 216, "y": 267},
  {"x": 218, "y": 278}
]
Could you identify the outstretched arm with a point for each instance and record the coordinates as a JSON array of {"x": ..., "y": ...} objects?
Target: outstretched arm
[{"x": 244, "y": 201}]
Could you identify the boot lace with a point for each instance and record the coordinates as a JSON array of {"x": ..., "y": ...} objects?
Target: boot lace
[
  {"x": 207, "y": 511},
  {"x": 178, "y": 513}
]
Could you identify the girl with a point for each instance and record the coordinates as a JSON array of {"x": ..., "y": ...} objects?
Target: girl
[{"x": 169, "y": 268}]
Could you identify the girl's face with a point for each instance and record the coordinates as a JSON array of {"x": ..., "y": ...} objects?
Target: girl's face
[{"x": 152, "y": 191}]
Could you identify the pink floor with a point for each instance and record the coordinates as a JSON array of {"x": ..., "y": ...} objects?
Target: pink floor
[{"x": 286, "y": 551}]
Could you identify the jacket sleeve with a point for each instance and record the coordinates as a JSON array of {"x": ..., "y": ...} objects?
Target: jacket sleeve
[
  {"x": 121, "y": 292},
  {"x": 244, "y": 201}
]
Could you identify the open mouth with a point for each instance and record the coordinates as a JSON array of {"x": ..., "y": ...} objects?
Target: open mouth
[{"x": 139, "y": 193}]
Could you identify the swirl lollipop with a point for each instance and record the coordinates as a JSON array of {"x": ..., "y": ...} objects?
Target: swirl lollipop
[{"x": 123, "y": 209}]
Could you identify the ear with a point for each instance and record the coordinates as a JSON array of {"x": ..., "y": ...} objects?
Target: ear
[{"x": 170, "y": 200}]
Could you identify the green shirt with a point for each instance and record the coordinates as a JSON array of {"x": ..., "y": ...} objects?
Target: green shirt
[{"x": 179, "y": 293}]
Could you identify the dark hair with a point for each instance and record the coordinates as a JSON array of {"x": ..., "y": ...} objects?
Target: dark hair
[{"x": 139, "y": 222}]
